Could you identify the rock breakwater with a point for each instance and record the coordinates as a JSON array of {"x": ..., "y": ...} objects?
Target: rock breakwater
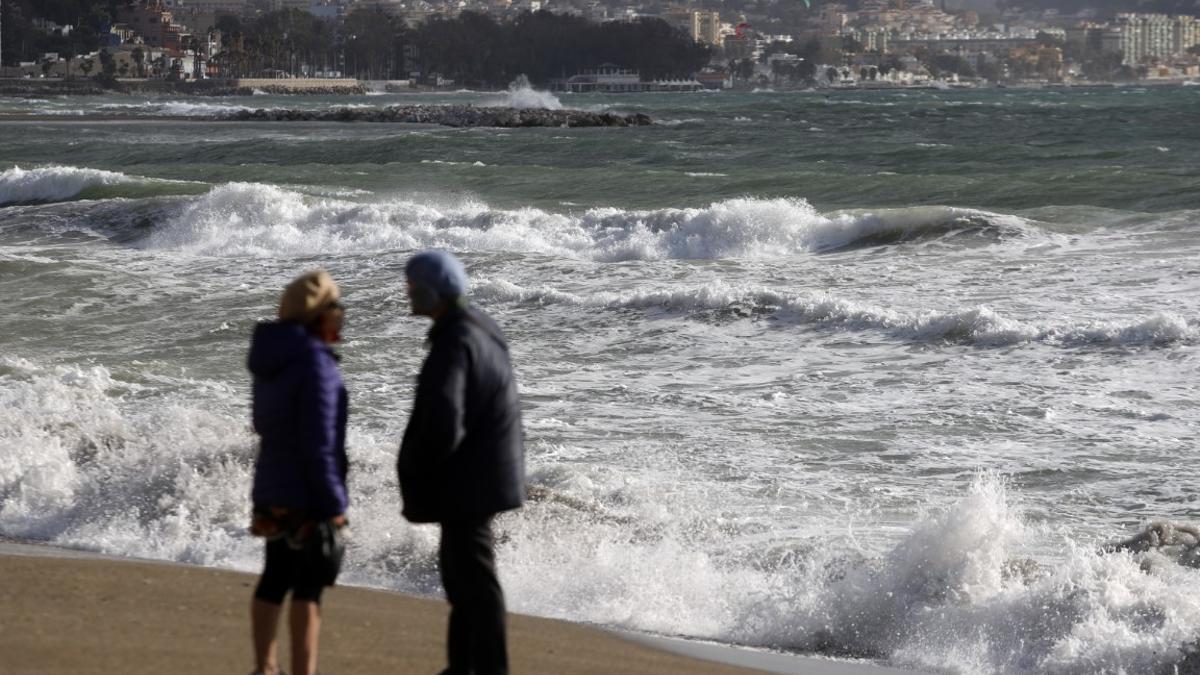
[
  {"x": 54, "y": 87},
  {"x": 451, "y": 115}
]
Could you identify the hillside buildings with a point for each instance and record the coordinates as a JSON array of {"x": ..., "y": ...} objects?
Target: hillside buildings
[
  {"x": 889, "y": 40},
  {"x": 155, "y": 23},
  {"x": 1143, "y": 37},
  {"x": 706, "y": 27}
]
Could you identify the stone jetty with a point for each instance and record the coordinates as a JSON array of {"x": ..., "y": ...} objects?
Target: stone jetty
[{"x": 447, "y": 115}]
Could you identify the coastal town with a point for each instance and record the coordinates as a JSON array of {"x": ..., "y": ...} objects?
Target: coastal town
[{"x": 619, "y": 45}]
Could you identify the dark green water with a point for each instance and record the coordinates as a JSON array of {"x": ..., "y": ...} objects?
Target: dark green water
[{"x": 1129, "y": 149}]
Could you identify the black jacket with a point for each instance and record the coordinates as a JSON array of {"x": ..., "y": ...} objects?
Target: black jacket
[{"x": 463, "y": 454}]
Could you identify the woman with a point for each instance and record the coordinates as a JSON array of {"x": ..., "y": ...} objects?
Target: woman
[{"x": 299, "y": 491}]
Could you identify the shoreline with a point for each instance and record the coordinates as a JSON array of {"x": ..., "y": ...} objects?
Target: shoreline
[
  {"x": 35, "y": 88},
  {"x": 202, "y": 88},
  {"x": 135, "y": 615}
]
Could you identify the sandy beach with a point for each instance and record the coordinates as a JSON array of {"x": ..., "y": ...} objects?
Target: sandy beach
[{"x": 73, "y": 612}]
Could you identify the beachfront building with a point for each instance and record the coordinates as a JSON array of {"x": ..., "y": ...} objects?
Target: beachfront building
[
  {"x": 301, "y": 5},
  {"x": 1186, "y": 33},
  {"x": 1144, "y": 36},
  {"x": 234, "y": 7},
  {"x": 964, "y": 46},
  {"x": 875, "y": 39},
  {"x": 1155, "y": 37},
  {"x": 395, "y": 8},
  {"x": 607, "y": 78},
  {"x": 155, "y": 23},
  {"x": 201, "y": 16},
  {"x": 610, "y": 78},
  {"x": 706, "y": 27}
]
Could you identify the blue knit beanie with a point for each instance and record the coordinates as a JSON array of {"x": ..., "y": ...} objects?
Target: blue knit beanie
[{"x": 438, "y": 271}]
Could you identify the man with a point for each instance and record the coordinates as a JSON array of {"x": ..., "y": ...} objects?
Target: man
[{"x": 462, "y": 460}]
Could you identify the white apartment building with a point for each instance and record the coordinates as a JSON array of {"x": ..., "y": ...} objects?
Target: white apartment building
[
  {"x": 874, "y": 39},
  {"x": 301, "y": 5},
  {"x": 1155, "y": 36},
  {"x": 706, "y": 27},
  {"x": 235, "y": 7},
  {"x": 1187, "y": 33}
]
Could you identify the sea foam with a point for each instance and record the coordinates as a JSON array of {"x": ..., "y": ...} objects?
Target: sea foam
[
  {"x": 954, "y": 594},
  {"x": 521, "y": 94},
  {"x": 161, "y": 469},
  {"x": 53, "y": 183},
  {"x": 978, "y": 325},
  {"x": 173, "y": 108},
  {"x": 256, "y": 219}
]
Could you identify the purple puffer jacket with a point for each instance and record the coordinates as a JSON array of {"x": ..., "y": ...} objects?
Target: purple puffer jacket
[{"x": 300, "y": 413}]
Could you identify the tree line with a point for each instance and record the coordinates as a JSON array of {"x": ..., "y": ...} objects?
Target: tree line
[
  {"x": 22, "y": 41},
  {"x": 471, "y": 48}
]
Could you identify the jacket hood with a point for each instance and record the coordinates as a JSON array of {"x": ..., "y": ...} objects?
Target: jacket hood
[{"x": 276, "y": 344}]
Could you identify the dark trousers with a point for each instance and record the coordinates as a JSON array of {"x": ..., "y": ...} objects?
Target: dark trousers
[{"x": 476, "y": 640}]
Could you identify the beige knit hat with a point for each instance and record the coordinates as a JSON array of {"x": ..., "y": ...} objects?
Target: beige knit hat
[{"x": 308, "y": 296}]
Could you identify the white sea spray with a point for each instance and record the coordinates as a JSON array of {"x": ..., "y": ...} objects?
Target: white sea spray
[
  {"x": 522, "y": 94},
  {"x": 256, "y": 219},
  {"x": 172, "y": 108},
  {"x": 163, "y": 471},
  {"x": 953, "y": 595},
  {"x": 979, "y": 325},
  {"x": 115, "y": 466},
  {"x": 53, "y": 183}
]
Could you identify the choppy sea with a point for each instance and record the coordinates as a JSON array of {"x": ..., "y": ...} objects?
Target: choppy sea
[{"x": 874, "y": 374}]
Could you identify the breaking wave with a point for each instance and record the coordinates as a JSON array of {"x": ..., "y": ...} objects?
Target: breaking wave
[
  {"x": 173, "y": 108},
  {"x": 85, "y": 469},
  {"x": 160, "y": 469},
  {"x": 977, "y": 325},
  {"x": 521, "y": 94},
  {"x": 62, "y": 183},
  {"x": 956, "y": 593},
  {"x": 53, "y": 183},
  {"x": 256, "y": 219}
]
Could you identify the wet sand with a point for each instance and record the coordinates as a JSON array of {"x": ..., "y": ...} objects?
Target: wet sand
[{"x": 71, "y": 612}]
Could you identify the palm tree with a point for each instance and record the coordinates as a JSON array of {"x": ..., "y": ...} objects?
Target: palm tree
[{"x": 139, "y": 59}]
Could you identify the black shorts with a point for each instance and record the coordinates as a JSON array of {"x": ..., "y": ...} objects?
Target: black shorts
[{"x": 288, "y": 569}]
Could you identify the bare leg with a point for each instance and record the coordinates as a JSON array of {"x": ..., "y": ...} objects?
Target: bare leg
[
  {"x": 305, "y": 620},
  {"x": 264, "y": 618}
]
